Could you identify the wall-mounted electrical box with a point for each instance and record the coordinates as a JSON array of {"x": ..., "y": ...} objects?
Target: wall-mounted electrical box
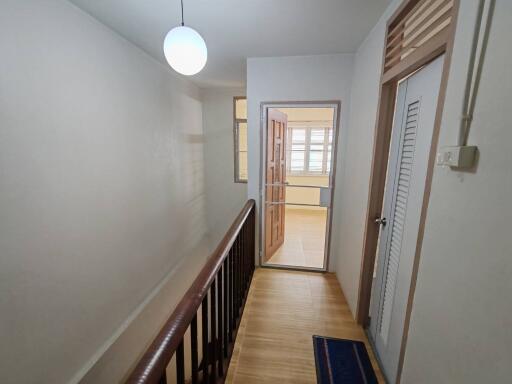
[{"x": 456, "y": 157}]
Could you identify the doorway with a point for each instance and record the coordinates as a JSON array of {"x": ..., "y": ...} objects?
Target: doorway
[
  {"x": 297, "y": 183},
  {"x": 411, "y": 139}
]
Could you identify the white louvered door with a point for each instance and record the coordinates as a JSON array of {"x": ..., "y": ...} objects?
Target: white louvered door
[{"x": 407, "y": 168}]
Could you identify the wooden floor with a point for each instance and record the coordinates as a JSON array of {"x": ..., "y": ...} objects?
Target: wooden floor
[
  {"x": 283, "y": 310},
  {"x": 304, "y": 239}
]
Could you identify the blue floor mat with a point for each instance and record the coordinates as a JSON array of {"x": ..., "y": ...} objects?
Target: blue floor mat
[{"x": 340, "y": 361}]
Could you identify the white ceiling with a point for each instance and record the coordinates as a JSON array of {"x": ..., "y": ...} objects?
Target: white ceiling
[{"x": 237, "y": 29}]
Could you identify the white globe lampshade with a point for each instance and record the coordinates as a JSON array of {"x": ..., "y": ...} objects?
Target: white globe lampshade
[{"x": 185, "y": 50}]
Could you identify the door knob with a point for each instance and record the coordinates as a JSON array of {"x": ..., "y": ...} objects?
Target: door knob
[{"x": 380, "y": 221}]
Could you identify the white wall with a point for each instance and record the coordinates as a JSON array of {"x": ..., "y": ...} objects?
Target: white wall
[
  {"x": 462, "y": 315},
  {"x": 101, "y": 191},
  {"x": 224, "y": 197},
  {"x": 357, "y": 157},
  {"x": 299, "y": 195},
  {"x": 299, "y": 78}
]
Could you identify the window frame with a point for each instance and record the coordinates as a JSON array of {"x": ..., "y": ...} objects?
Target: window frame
[
  {"x": 236, "y": 146},
  {"x": 307, "y": 151}
]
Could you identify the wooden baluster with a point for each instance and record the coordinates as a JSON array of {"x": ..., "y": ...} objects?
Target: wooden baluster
[
  {"x": 243, "y": 264},
  {"x": 193, "y": 349},
  {"x": 235, "y": 251},
  {"x": 204, "y": 321},
  {"x": 163, "y": 378},
  {"x": 213, "y": 331},
  {"x": 244, "y": 253},
  {"x": 241, "y": 271},
  {"x": 237, "y": 278},
  {"x": 242, "y": 280},
  {"x": 244, "y": 235},
  {"x": 253, "y": 239},
  {"x": 249, "y": 252},
  {"x": 220, "y": 331},
  {"x": 240, "y": 288},
  {"x": 251, "y": 245},
  {"x": 231, "y": 285},
  {"x": 180, "y": 364},
  {"x": 226, "y": 305},
  {"x": 248, "y": 255}
]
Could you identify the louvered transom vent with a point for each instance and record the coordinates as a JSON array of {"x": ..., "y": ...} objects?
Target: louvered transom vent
[
  {"x": 399, "y": 210},
  {"x": 421, "y": 22}
]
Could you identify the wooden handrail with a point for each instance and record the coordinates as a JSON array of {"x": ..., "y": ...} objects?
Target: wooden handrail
[{"x": 238, "y": 244}]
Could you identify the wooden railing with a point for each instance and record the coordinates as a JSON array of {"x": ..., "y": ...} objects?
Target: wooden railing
[{"x": 217, "y": 296}]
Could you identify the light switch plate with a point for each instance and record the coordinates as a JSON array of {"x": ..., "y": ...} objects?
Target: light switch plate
[{"x": 457, "y": 156}]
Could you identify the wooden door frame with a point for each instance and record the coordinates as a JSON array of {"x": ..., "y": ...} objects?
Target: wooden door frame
[
  {"x": 336, "y": 104},
  {"x": 435, "y": 47}
]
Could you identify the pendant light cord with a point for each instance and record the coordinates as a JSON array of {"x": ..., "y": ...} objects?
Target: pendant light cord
[{"x": 182, "y": 22}]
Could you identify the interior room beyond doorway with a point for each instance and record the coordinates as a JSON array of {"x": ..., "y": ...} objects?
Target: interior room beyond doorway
[{"x": 309, "y": 138}]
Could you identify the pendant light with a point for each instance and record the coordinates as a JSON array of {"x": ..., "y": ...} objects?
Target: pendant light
[{"x": 185, "y": 49}]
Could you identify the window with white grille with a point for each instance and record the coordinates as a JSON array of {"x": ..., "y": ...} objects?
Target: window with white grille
[
  {"x": 240, "y": 136},
  {"x": 309, "y": 150}
]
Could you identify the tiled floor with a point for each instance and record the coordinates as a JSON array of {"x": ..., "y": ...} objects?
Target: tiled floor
[
  {"x": 304, "y": 239},
  {"x": 284, "y": 310}
]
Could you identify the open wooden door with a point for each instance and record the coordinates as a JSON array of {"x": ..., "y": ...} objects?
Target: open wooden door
[{"x": 275, "y": 187}]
